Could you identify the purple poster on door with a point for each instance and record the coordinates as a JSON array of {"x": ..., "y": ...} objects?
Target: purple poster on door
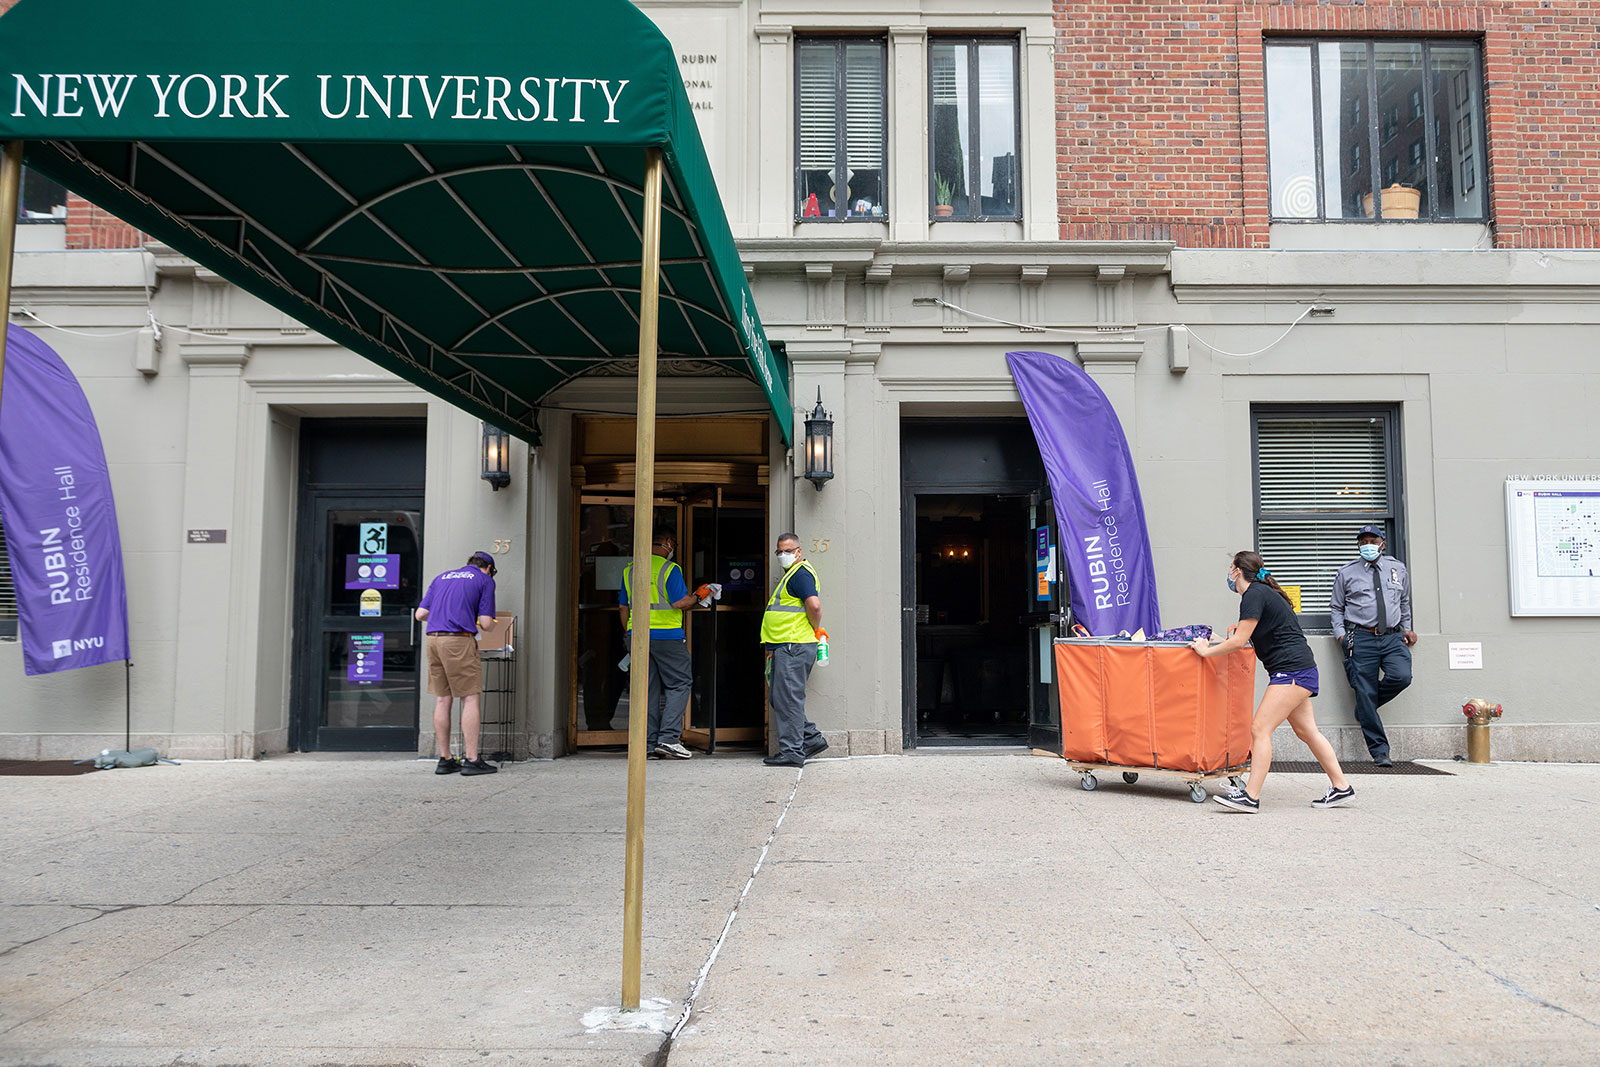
[
  {"x": 371, "y": 572},
  {"x": 365, "y": 659},
  {"x": 60, "y": 519},
  {"x": 1100, "y": 515}
]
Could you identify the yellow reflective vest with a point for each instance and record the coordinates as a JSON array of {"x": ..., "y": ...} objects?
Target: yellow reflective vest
[
  {"x": 784, "y": 621},
  {"x": 663, "y": 616}
]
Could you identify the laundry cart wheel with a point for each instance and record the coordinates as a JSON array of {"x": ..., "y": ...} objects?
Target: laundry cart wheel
[
  {"x": 1236, "y": 781},
  {"x": 1088, "y": 782},
  {"x": 1130, "y": 776},
  {"x": 1197, "y": 792}
]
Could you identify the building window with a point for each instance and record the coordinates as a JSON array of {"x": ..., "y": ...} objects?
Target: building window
[
  {"x": 842, "y": 125},
  {"x": 1416, "y": 91},
  {"x": 41, "y": 199},
  {"x": 1321, "y": 473},
  {"x": 975, "y": 122},
  {"x": 8, "y": 592}
]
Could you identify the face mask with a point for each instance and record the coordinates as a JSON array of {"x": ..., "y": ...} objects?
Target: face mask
[
  {"x": 1228, "y": 578},
  {"x": 1371, "y": 552},
  {"x": 786, "y": 560}
]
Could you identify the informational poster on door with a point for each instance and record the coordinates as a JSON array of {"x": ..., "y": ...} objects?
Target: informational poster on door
[
  {"x": 365, "y": 660},
  {"x": 371, "y": 603},
  {"x": 1553, "y": 544},
  {"x": 740, "y": 574},
  {"x": 1041, "y": 563},
  {"x": 362, "y": 571}
]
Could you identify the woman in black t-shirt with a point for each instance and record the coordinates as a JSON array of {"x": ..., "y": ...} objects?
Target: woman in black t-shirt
[{"x": 1266, "y": 620}]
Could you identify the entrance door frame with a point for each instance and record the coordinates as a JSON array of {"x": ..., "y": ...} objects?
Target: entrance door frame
[{"x": 935, "y": 465}]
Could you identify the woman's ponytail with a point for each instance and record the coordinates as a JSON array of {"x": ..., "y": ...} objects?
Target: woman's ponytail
[{"x": 1255, "y": 570}]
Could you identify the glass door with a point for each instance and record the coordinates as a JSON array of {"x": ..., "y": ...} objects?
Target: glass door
[
  {"x": 725, "y": 537},
  {"x": 365, "y": 580}
]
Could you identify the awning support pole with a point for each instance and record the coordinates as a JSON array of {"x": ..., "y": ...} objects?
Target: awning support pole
[
  {"x": 642, "y": 594},
  {"x": 10, "y": 191}
]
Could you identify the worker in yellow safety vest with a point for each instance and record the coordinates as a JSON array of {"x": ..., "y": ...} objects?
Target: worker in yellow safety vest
[
  {"x": 671, "y": 676},
  {"x": 791, "y": 627}
]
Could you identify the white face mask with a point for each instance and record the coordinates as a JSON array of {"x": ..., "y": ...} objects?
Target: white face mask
[{"x": 786, "y": 560}]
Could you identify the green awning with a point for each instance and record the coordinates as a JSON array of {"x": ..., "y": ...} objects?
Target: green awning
[{"x": 453, "y": 192}]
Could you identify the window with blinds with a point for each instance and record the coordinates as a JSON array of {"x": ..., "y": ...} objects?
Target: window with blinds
[
  {"x": 975, "y": 128},
  {"x": 8, "y": 592},
  {"x": 841, "y": 123},
  {"x": 1320, "y": 475}
]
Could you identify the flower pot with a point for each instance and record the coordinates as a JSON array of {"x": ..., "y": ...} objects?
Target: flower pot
[
  {"x": 1399, "y": 202},
  {"x": 943, "y": 211}
]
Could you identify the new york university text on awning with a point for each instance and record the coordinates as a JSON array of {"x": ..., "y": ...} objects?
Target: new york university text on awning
[{"x": 463, "y": 207}]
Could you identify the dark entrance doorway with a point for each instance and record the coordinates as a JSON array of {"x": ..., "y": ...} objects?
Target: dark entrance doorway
[
  {"x": 358, "y": 577},
  {"x": 975, "y": 631},
  {"x": 974, "y": 583}
]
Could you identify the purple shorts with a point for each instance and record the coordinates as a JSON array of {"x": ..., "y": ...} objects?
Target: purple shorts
[{"x": 1306, "y": 679}]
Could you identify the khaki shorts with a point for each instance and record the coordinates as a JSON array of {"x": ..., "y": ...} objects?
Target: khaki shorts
[{"x": 454, "y": 669}]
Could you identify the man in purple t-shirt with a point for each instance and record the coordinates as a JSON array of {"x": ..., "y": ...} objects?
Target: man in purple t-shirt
[{"x": 456, "y": 606}]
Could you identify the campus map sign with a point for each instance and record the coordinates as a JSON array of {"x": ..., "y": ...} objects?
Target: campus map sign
[{"x": 1553, "y": 542}]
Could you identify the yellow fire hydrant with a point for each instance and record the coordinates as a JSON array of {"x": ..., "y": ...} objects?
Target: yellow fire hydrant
[{"x": 1479, "y": 713}]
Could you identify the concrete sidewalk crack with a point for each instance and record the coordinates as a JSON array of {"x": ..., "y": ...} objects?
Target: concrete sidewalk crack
[
  {"x": 99, "y": 913},
  {"x": 1509, "y": 984},
  {"x": 716, "y": 949}
]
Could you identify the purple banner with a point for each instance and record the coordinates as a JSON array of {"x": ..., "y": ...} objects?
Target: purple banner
[
  {"x": 365, "y": 660},
  {"x": 60, "y": 519},
  {"x": 1103, "y": 541},
  {"x": 371, "y": 572}
]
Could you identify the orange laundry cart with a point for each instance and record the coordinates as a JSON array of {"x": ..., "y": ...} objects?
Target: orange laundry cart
[{"x": 1154, "y": 707}]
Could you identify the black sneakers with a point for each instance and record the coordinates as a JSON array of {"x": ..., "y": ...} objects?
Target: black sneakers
[
  {"x": 478, "y": 766},
  {"x": 447, "y": 765},
  {"x": 780, "y": 761},
  {"x": 813, "y": 751},
  {"x": 1335, "y": 797},
  {"x": 1233, "y": 800}
]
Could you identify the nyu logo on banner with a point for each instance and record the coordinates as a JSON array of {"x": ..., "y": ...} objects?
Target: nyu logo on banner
[
  {"x": 1104, "y": 544},
  {"x": 60, "y": 520}
]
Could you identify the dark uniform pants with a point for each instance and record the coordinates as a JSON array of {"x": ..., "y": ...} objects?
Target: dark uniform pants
[
  {"x": 671, "y": 679},
  {"x": 1379, "y": 668},
  {"x": 791, "y": 667}
]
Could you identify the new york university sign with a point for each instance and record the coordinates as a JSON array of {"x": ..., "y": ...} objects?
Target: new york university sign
[{"x": 350, "y": 98}]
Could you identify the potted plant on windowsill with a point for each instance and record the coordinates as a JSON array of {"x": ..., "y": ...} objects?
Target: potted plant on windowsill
[
  {"x": 941, "y": 198},
  {"x": 1399, "y": 202}
]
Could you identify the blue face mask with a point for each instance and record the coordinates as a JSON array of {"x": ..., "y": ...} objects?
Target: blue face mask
[
  {"x": 1228, "y": 578},
  {"x": 1370, "y": 552}
]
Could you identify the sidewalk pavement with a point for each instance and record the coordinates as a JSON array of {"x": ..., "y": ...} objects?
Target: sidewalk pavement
[{"x": 943, "y": 908}]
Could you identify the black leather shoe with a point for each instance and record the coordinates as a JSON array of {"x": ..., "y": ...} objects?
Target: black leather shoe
[
  {"x": 813, "y": 751},
  {"x": 1382, "y": 761},
  {"x": 781, "y": 761}
]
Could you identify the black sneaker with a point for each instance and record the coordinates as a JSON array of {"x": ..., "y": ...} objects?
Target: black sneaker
[
  {"x": 447, "y": 765},
  {"x": 1382, "y": 761},
  {"x": 478, "y": 766},
  {"x": 1233, "y": 800},
  {"x": 782, "y": 761},
  {"x": 813, "y": 751},
  {"x": 1335, "y": 797}
]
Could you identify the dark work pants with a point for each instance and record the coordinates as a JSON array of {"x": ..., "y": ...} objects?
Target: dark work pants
[
  {"x": 671, "y": 679},
  {"x": 1379, "y": 668},
  {"x": 791, "y": 667}
]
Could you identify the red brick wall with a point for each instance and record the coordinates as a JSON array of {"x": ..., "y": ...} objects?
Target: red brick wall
[{"x": 1161, "y": 120}]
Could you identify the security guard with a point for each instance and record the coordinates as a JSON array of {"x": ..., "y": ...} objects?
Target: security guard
[
  {"x": 671, "y": 676},
  {"x": 790, "y": 628},
  {"x": 1371, "y": 608}
]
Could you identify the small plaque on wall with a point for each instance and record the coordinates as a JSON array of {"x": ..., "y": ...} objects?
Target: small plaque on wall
[{"x": 208, "y": 537}]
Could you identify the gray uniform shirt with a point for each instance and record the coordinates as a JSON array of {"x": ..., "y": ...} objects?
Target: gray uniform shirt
[{"x": 1352, "y": 598}]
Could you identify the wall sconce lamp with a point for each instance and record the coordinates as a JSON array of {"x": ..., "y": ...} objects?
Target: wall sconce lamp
[
  {"x": 496, "y": 457},
  {"x": 819, "y": 445}
]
